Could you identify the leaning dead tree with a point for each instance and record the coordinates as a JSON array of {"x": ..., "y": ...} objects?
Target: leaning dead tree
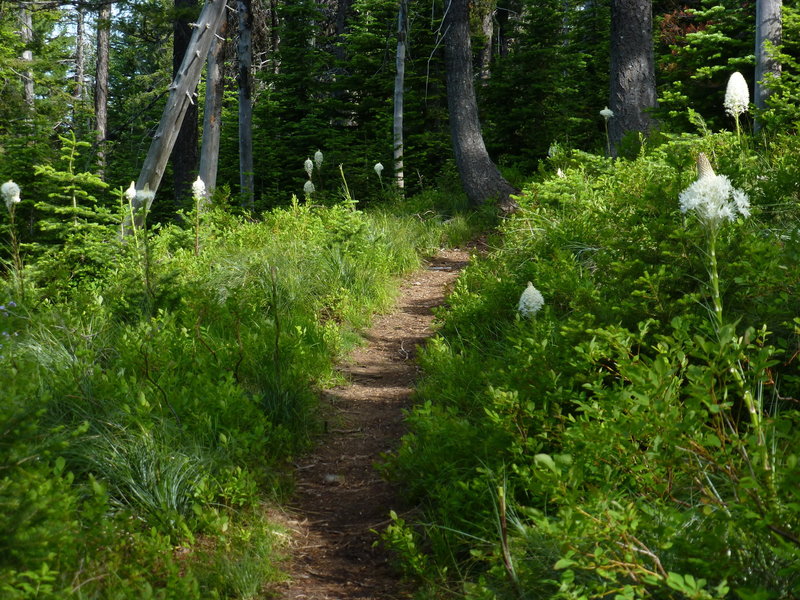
[{"x": 181, "y": 96}]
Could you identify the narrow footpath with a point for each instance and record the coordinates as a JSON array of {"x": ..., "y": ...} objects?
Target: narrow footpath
[{"x": 340, "y": 499}]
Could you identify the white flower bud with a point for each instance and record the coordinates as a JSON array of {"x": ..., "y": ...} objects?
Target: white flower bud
[
  {"x": 130, "y": 193},
  {"x": 199, "y": 189},
  {"x": 737, "y": 95},
  {"x": 318, "y": 159},
  {"x": 308, "y": 188},
  {"x": 378, "y": 169},
  {"x": 10, "y": 192},
  {"x": 530, "y": 302},
  {"x": 309, "y": 166}
]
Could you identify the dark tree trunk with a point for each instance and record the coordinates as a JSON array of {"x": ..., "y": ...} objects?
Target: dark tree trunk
[
  {"x": 633, "y": 80},
  {"x": 185, "y": 154},
  {"x": 342, "y": 13},
  {"x": 480, "y": 177},
  {"x": 101, "y": 85},
  {"x": 245, "y": 54},
  {"x": 768, "y": 29}
]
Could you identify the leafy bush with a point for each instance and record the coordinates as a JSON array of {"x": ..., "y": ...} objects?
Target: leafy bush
[
  {"x": 154, "y": 402},
  {"x": 623, "y": 440}
]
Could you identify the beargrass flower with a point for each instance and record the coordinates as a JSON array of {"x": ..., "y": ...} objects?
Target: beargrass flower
[
  {"x": 530, "y": 302},
  {"x": 10, "y": 192},
  {"x": 318, "y": 159},
  {"x": 607, "y": 113},
  {"x": 308, "y": 188},
  {"x": 712, "y": 197},
  {"x": 309, "y": 167},
  {"x": 130, "y": 193},
  {"x": 737, "y": 95},
  {"x": 378, "y": 169},
  {"x": 198, "y": 189}
]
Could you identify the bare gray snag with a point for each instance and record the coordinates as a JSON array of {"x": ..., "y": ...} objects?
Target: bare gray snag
[
  {"x": 26, "y": 31},
  {"x": 212, "y": 113},
  {"x": 101, "y": 84},
  {"x": 245, "y": 53},
  {"x": 768, "y": 29},
  {"x": 399, "y": 85},
  {"x": 180, "y": 97}
]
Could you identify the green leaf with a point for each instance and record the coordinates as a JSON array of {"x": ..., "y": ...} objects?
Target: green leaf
[{"x": 547, "y": 461}]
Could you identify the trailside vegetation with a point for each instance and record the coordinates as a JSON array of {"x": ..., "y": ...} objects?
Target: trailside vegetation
[
  {"x": 156, "y": 387},
  {"x": 611, "y": 406},
  {"x": 635, "y": 436}
]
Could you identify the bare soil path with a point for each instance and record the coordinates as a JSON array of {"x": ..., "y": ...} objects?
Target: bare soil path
[{"x": 340, "y": 499}]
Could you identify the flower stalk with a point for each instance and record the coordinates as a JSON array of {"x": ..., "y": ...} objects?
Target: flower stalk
[
  {"x": 607, "y": 113},
  {"x": 737, "y": 100},
  {"x": 11, "y": 195},
  {"x": 714, "y": 200}
]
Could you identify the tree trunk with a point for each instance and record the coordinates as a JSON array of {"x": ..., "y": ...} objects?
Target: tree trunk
[
  {"x": 245, "y": 52},
  {"x": 212, "y": 113},
  {"x": 185, "y": 154},
  {"x": 180, "y": 98},
  {"x": 768, "y": 29},
  {"x": 488, "y": 10},
  {"x": 26, "y": 30},
  {"x": 633, "y": 80},
  {"x": 399, "y": 91},
  {"x": 101, "y": 85},
  {"x": 80, "y": 59},
  {"x": 480, "y": 177}
]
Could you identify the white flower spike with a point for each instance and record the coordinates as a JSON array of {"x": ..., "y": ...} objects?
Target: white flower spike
[
  {"x": 318, "y": 159},
  {"x": 737, "y": 95},
  {"x": 713, "y": 197},
  {"x": 130, "y": 193},
  {"x": 378, "y": 168},
  {"x": 10, "y": 192},
  {"x": 530, "y": 302},
  {"x": 308, "y": 188},
  {"x": 309, "y": 167},
  {"x": 199, "y": 189},
  {"x": 607, "y": 113}
]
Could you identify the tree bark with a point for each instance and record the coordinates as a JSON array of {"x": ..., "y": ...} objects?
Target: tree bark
[
  {"x": 480, "y": 177},
  {"x": 488, "y": 10},
  {"x": 212, "y": 113},
  {"x": 633, "y": 80},
  {"x": 101, "y": 85},
  {"x": 80, "y": 58},
  {"x": 768, "y": 29},
  {"x": 180, "y": 98},
  {"x": 245, "y": 53},
  {"x": 399, "y": 93},
  {"x": 185, "y": 153},
  {"x": 26, "y": 30}
]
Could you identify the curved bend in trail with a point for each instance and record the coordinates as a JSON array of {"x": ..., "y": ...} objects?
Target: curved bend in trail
[{"x": 340, "y": 499}]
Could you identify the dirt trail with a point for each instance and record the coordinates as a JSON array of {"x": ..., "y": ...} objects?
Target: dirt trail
[{"x": 340, "y": 498}]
